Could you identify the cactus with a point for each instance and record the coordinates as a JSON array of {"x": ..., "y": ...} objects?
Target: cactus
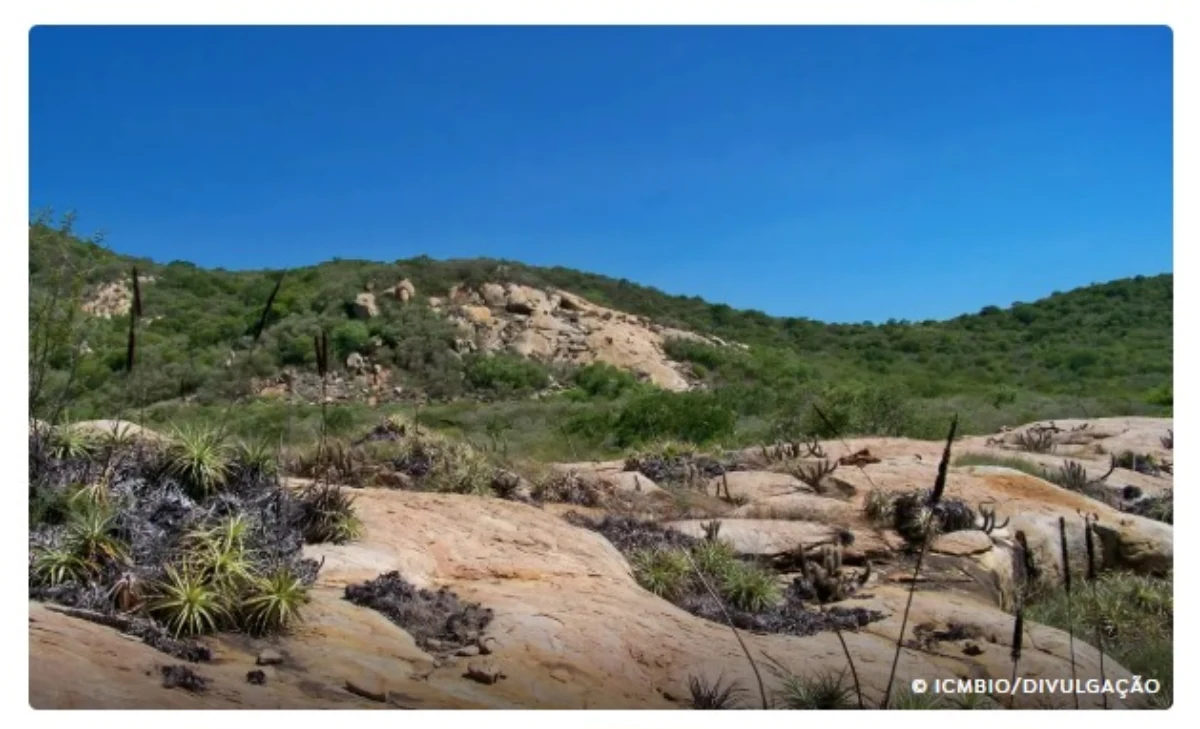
[
  {"x": 711, "y": 530},
  {"x": 823, "y": 577},
  {"x": 989, "y": 520},
  {"x": 813, "y": 449},
  {"x": 1036, "y": 440},
  {"x": 815, "y": 474}
]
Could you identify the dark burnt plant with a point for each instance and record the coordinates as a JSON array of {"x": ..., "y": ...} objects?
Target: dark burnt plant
[
  {"x": 916, "y": 515},
  {"x": 1066, "y": 575},
  {"x": 436, "y": 619}
]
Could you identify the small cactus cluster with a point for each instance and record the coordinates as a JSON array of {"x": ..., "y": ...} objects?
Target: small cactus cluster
[
  {"x": 814, "y": 474},
  {"x": 988, "y": 514},
  {"x": 1073, "y": 476},
  {"x": 912, "y": 514},
  {"x": 712, "y": 530},
  {"x": 823, "y": 577},
  {"x": 790, "y": 450},
  {"x": 1168, "y": 440},
  {"x": 1037, "y": 439}
]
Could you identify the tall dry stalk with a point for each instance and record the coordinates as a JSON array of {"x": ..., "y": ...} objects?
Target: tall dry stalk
[
  {"x": 935, "y": 497},
  {"x": 1090, "y": 543},
  {"x": 1018, "y": 638},
  {"x": 1066, "y": 559},
  {"x": 259, "y": 327},
  {"x": 321, "y": 346}
]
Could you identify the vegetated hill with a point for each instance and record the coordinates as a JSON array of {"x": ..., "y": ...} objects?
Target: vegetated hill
[{"x": 1104, "y": 348}]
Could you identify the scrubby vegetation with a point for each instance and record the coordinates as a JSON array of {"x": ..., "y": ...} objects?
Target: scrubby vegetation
[
  {"x": 123, "y": 533},
  {"x": 1104, "y": 349},
  {"x": 748, "y": 595}
]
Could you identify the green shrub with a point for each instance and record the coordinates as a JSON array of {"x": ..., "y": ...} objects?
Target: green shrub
[
  {"x": 505, "y": 374},
  {"x": 695, "y": 417},
  {"x": 348, "y": 337},
  {"x": 603, "y": 381}
]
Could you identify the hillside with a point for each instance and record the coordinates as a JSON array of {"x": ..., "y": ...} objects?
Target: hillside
[{"x": 431, "y": 329}]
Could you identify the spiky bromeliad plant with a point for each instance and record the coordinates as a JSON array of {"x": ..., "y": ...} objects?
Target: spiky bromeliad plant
[
  {"x": 189, "y": 604},
  {"x": 54, "y": 566},
  {"x": 200, "y": 458},
  {"x": 716, "y": 558},
  {"x": 750, "y": 588},
  {"x": 663, "y": 572},
  {"x": 822, "y": 691},
  {"x": 91, "y": 536},
  {"x": 716, "y": 695},
  {"x": 255, "y": 457},
  {"x": 274, "y": 602},
  {"x": 68, "y": 442},
  {"x": 328, "y": 515}
]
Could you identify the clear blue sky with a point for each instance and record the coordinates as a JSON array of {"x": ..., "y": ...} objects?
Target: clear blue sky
[{"x": 842, "y": 174}]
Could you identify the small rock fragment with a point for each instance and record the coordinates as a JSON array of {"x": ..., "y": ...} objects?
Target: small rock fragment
[
  {"x": 256, "y": 677},
  {"x": 179, "y": 676},
  {"x": 370, "y": 691},
  {"x": 469, "y": 651},
  {"x": 269, "y": 657},
  {"x": 484, "y": 672},
  {"x": 972, "y": 649}
]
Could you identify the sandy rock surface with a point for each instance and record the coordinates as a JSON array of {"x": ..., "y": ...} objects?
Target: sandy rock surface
[{"x": 572, "y": 628}]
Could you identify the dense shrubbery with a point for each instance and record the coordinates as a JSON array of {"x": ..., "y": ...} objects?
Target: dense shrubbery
[
  {"x": 603, "y": 381},
  {"x": 697, "y": 417},
  {"x": 505, "y": 374}
]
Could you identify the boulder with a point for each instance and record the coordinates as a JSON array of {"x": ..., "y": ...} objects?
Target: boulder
[
  {"x": 494, "y": 295},
  {"x": 403, "y": 291},
  {"x": 365, "y": 306},
  {"x": 962, "y": 543}
]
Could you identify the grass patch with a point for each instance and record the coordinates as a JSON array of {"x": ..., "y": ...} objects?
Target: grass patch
[
  {"x": 1135, "y": 614},
  {"x": 1024, "y": 465}
]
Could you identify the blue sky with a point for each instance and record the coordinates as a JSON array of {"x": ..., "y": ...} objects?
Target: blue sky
[{"x": 840, "y": 174}]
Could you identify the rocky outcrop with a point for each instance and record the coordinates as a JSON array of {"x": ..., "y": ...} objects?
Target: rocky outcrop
[
  {"x": 365, "y": 306},
  {"x": 112, "y": 299},
  {"x": 403, "y": 291},
  {"x": 571, "y": 629},
  {"x": 557, "y": 326}
]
